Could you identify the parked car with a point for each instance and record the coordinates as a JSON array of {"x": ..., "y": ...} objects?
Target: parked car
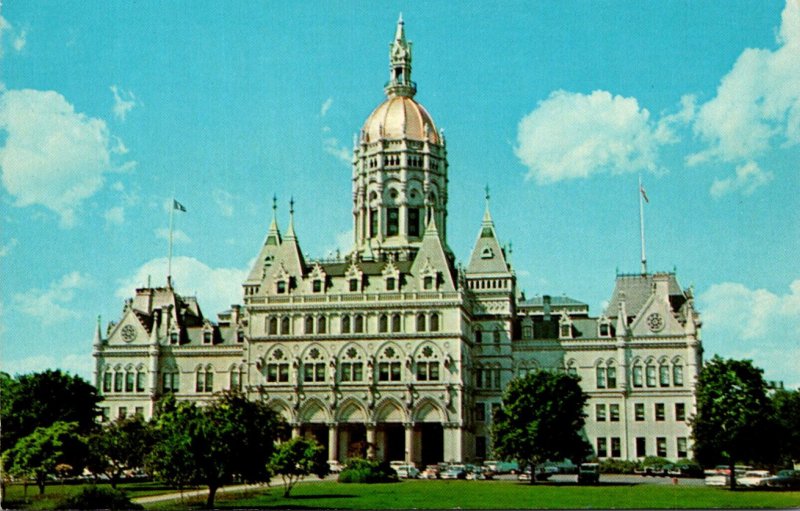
[
  {"x": 454, "y": 472},
  {"x": 589, "y": 473},
  {"x": 754, "y": 478},
  {"x": 784, "y": 479},
  {"x": 502, "y": 467},
  {"x": 406, "y": 471},
  {"x": 542, "y": 474},
  {"x": 430, "y": 472},
  {"x": 718, "y": 480}
]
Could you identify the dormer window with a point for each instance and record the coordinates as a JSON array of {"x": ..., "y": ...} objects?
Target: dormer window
[
  {"x": 239, "y": 336},
  {"x": 391, "y": 284},
  {"x": 605, "y": 330},
  {"x": 427, "y": 282},
  {"x": 353, "y": 285},
  {"x": 281, "y": 287},
  {"x": 173, "y": 337},
  {"x": 566, "y": 331},
  {"x": 316, "y": 286},
  {"x": 207, "y": 337}
]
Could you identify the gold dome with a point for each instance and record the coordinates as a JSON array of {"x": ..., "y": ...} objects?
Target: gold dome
[{"x": 400, "y": 117}]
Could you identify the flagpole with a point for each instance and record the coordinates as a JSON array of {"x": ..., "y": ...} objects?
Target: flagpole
[
  {"x": 641, "y": 225},
  {"x": 169, "y": 257}
]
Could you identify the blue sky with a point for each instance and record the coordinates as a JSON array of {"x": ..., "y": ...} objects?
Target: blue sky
[{"x": 107, "y": 109}]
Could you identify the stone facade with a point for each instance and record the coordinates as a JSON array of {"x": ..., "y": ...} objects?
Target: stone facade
[{"x": 397, "y": 352}]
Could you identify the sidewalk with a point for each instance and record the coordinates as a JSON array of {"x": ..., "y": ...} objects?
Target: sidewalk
[{"x": 275, "y": 484}]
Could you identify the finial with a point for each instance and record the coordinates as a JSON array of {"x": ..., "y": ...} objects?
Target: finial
[
  {"x": 274, "y": 203},
  {"x": 487, "y": 193},
  {"x": 291, "y": 205}
]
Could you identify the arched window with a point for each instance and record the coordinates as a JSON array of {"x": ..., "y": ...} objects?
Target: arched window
[
  {"x": 389, "y": 368},
  {"x": 107, "y": 379},
  {"x": 236, "y": 377},
  {"x": 663, "y": 373},
  {"x": 359, "y": 324},
  {"x": 140, "y": 379},
  {"x": 435, "y": 322},
  {"x": 600, "y": 375},
  {"x": 314, "y": 366},
  {"x": 170, "y": 380},
  {"x": 345, "y": 324},
  {"x": 309, "y": 325},
  {"x": 427, "y": 364},
  {"x": 322, "y": 325},
  {"x": 611, "y": 374},
  {"x": 285, "y": 325},
  {"x": 383, "y": 323},
  {"x": 396, "y": 323},
  {"x": 277, "y": 367},
  {"x": 637, "y": 374},
  {"x": 650, "y": 373},
  {"x": 677, "y": 373},
  {"x": 420, "y": 322},
  {"x": 273, "y": 326},
  {"x": 204, "y": 379},
  {"x": 351, "y": 368},
  {"x": 119, "y": 376}
]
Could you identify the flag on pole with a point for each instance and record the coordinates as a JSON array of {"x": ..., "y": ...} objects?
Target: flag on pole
[
  {"x": 641, "y": 189},
  {"x": 177, "y": 205}
]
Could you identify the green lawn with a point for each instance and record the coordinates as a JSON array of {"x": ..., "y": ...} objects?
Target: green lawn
[
  {"x": 54, "y": 493},
  {"x": 496, "y": 495}
]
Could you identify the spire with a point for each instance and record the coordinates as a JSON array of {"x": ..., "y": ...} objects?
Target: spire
[
  {"x": 400, "y": 83},
  {"x": 274, "y": 235},
  {"x": 487, "y": 254},
  {"x": 487, "y": 216},
  {"x": 290, "y": 231},
  {"x": 98, "y": 336}
]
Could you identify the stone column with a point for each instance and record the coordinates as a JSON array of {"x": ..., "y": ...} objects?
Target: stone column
[
  {"x": 409, "y": 441},
  {"x": 333, "y": 442},
  {"x": 370, "y": 440}
]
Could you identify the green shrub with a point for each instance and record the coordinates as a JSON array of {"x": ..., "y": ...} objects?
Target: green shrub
[
  {"x": 614, "y": 466},
  {"x": 367, "y": 471},
  {"x": 99, "y": 498}
]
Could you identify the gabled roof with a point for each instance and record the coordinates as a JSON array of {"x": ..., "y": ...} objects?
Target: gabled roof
[
  {"x": 487, "y": 255},
  {"x": 637, "y": 289},
  {"x": 432, "y": 254}
]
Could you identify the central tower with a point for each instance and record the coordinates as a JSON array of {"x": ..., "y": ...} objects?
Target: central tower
[{"x": 399, "y": 168}]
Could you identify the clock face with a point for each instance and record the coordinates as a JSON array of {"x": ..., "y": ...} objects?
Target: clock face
[
  {"x": 128, "y": 333},
  {"x": 655, "y": 322}
]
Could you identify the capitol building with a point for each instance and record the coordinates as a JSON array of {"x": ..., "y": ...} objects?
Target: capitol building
[{"x": 397, "y": 351}]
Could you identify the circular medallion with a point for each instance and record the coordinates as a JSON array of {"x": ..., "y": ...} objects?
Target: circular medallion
[
  {"x": 655, "y": 322},
  {"x": 128, "y": 333}
]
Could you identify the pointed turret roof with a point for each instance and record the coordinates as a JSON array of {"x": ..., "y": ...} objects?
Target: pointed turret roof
[
  {"x": 270, "y": 248},
  {"x": 289, "y": 253},
  {"x": 432, "y": 254},
  {"x": 487, "y": 255}
]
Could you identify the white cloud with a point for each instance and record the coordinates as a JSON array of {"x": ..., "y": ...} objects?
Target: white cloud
[
  {"x": 331, "y": 146},
  {"x": 573, "y": 135},
  {"x": 757, "y": 104},
  {"x": 216, "y": 288},
  {"x": 115, "y": 216},
  {"x": 325, "y": 107},
  {"x": 740, "y": 322},
  {"x": 124, "y": 101},
  {"x": 18, "y": 37},
  {"x": 8, "y": 247},
  {"x": 224, "y": 202},
  {"x": 53, "y": 156},
  {"x": 51, "y": 305},
  {"x": 178, "y": 236},
  {"x": 748, "y": 178}
]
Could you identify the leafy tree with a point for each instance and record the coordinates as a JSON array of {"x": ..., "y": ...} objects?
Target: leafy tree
[
  {"x": 541, "y": 418},
  {"x": 120, "y": 445},
  {"x": 37, "y": 455},
  {"x": 297, "y": 458},
  {"x": 733, "y": 420},
  {"x": 38, "y": 400},
  {"x": 230, "y": 438},
  {"x": 786, "y": 404}
]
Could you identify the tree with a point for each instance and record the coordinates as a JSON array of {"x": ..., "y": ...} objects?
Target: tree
[
  {"x": 733, "y": 421},
  {"x": 119, "y": 446},
  {"x": 38, "y": 400},
  {"x": 230, "y": 438},
  {"x": 541, "y": 419},
  {"x": 37, "y": 455},
  {"x": 297, "y": 458},
  {"x": 786, "y": 404}
]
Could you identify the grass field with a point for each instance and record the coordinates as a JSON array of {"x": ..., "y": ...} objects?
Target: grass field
[
  {"x": 55, "y": 493},
  {"x": 496, "y": 495}
]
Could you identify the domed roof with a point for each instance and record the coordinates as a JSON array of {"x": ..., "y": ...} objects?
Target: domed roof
[{"x": 400, "y": 117}]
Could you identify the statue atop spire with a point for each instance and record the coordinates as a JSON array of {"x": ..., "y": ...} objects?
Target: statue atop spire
[{"x": 400, "y": 83}]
